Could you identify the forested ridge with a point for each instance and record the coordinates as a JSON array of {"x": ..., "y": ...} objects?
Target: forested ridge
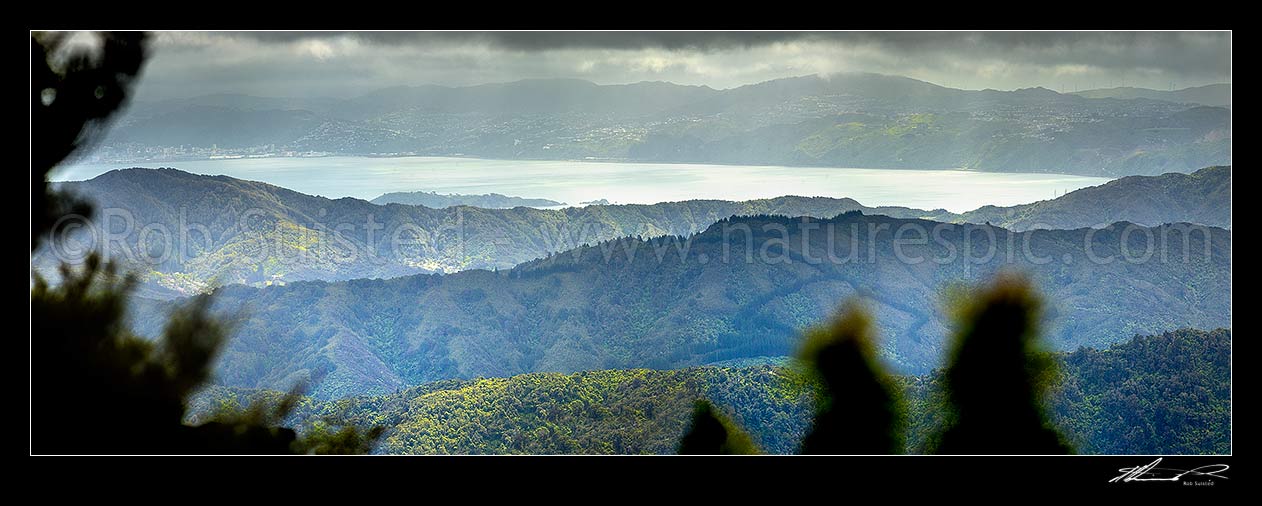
[
  {"x": 652, "y": 303},
  {"x": 1161, "y": 394},
  {"x": 259, "y": 234}
]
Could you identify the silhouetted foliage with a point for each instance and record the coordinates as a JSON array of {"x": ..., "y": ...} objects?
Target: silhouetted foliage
[
  {"x": 994, "y": 385},
  {"x": 856, "y": 405},
  {"x": 1166, "y": 394},
  {"x": 711, "y": 433},
  {"x": 73, "y": 95},
  {"x": 97, "y": 387},
  {"x": 348, "y": 440},
  {"x": 997, "y": 375}
]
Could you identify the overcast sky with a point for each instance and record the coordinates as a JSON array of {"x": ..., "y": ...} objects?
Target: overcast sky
[{"x": 347, "y": 64}]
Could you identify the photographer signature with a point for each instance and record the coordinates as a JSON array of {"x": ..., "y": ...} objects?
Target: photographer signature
[{"x": 1151, "y": 472}]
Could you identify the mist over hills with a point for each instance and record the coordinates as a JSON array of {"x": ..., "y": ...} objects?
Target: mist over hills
[
  {"x": 744, "y": 287},
  {"x": 844, "y": 120},
  {"x": 222, "y": 230},
  {"x": 257, "y": 233}
]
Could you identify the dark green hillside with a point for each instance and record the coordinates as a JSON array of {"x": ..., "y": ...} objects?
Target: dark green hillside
[
  {"x": 634, "y": 303},
  {"x": 602, "y": 412},
  {"x": 1164, "y": 394},
  {"x": 1161, "y": 394},
  {"x": 1169, "y": 393}
]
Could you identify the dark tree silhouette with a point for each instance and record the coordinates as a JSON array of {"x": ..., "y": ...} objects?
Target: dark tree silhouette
[
  {"x": 997, "y": 375},
  {"x": 73, "y": 95},
  {"x": 711, "y": 433},
  {"x": 95, "y": 386},
  {"x": 856, "y": 406}
]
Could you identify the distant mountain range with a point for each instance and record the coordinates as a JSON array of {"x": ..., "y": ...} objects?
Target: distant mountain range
[
  {"x": 261, "y": 234},
  {"x": 845, "y": 120},
  {"x": 1163, "y": 394},
  {"x": 744, "y": 287},
  {"x": 1214, "y": 95},
  {"x": 440, "y": 201}
]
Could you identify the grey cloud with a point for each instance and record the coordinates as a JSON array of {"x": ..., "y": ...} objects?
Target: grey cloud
[
  {"x": 352, "y": 63},
  {"x": 552, "y": 40},
  {"x": 1173, "y": 51},
  {"x": 1050, "y": 43}
]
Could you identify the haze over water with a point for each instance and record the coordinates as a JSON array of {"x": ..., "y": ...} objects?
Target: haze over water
[{"x": 574, "y": 182}]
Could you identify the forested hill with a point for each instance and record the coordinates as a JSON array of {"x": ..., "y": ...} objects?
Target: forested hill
[
  {"x": 742, "y": 288},
  {"x": 256, "y": 233},
  {"x": 1162, "y": 394},
  {"x": 1202, "y": 197},
  {"x": 260, "y": 233}
]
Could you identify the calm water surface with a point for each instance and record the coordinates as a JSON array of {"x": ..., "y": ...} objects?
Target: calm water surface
[{"x": 574, "y": 182}]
